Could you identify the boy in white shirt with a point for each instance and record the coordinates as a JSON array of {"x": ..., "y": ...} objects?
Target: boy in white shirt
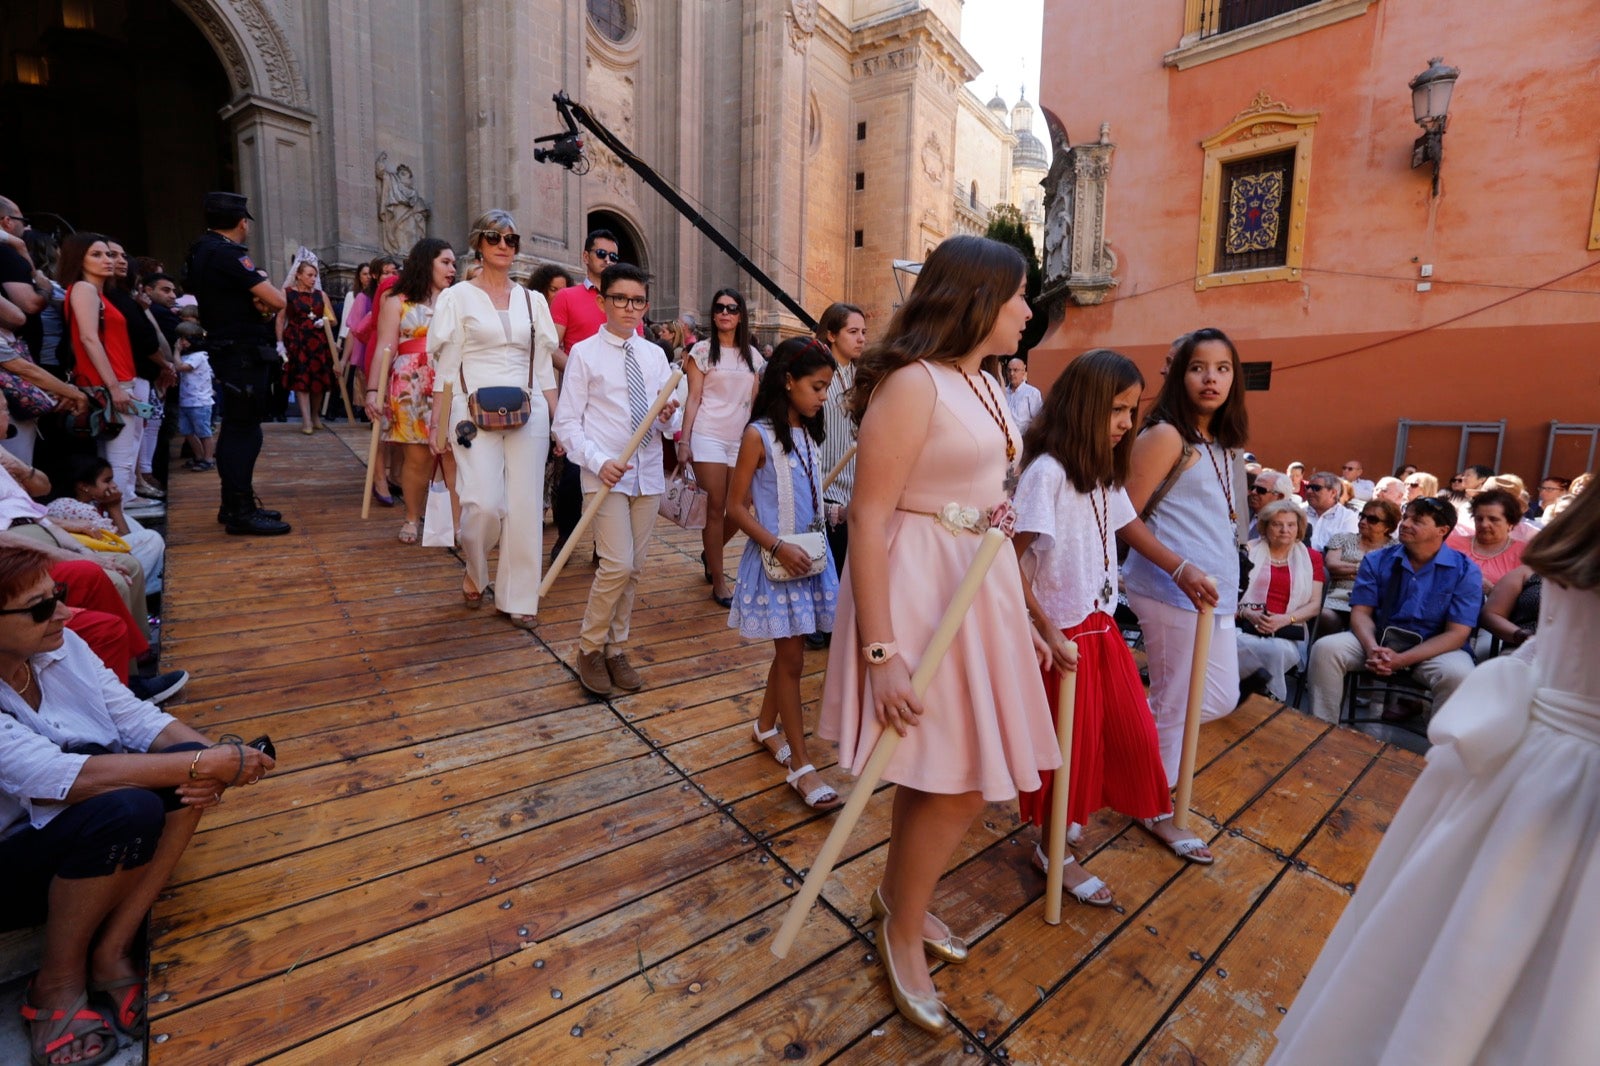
[
  {"x": 610, "y": 382},
  {"x": 195, "y": 396}
]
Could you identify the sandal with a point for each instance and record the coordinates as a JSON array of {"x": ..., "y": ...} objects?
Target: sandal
[
  {"x": 410, "y": 532},
  {"x": 1086, "y": 891},
  {"x": 821, "y": 798},
  {"x": 1185, "y": 848},
  {"x": 530, "y": 622},
  {"x": 126, "y": 1011},
  {"x": 472, "y": 597},
  {"x": 781, "y": 756},
  {"x": 57, "y": 1029}
]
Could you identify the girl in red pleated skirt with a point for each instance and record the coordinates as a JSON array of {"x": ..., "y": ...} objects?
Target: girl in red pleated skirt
[{"x": 1071, "y": 508}]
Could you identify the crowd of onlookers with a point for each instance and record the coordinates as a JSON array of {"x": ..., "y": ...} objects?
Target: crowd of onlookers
[{"x": 1429, "y": 574}]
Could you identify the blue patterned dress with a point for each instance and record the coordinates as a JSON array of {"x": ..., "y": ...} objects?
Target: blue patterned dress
[{"x": 770, "y": 609}]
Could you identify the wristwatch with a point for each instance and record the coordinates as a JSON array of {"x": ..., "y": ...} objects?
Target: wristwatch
[{"x": 878, "y": 654}]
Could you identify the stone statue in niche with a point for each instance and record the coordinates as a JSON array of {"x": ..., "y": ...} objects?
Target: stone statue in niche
[
  {"x": 1058, "y": 185},
  {"x": 402, "y": 212}
]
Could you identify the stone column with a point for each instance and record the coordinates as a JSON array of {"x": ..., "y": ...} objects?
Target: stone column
[{"x": 273, "y": 144}]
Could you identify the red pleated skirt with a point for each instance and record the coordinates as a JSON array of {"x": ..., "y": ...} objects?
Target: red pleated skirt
[{"x": 1116, "y": 761}]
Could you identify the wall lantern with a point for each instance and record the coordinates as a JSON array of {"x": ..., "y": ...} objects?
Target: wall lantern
[{"x": 1430, "y": 108}]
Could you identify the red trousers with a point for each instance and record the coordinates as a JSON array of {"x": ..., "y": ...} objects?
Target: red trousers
[
  {"x": 1116, "y": 761},
  {"x": 100, "y": 617}
]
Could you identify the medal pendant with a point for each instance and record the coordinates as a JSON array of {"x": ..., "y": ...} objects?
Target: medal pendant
[{"x": 1105, "y": 592}]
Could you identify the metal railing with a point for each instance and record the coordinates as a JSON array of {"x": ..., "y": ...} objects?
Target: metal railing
[{"x": 1207, "y": 18}]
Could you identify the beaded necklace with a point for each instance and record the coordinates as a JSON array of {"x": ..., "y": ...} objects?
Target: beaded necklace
[
  {"x": 1223, "y": 479},
  {"x": 992, "y": 406},
  {"x": 1100, "y": 523}
]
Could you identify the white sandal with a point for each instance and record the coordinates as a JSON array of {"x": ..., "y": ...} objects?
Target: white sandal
[
  {"x": 1184, "y": 848},
  {"x": 1083, "y": 893},
  {"x": 821, "y": 798},
  {"x": 781, "y": 756}
]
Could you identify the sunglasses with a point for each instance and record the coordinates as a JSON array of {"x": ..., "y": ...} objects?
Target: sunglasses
[
  {"x": 15, "y": 218},
  {"x": 45, "y": 609},
  {"x": 725, "y": 309},
  {"x": 512, "y": 240},
  {"x": 1257, "y": 490},
  {"x": 1321, "y": 488},
  {"x": 1429, "y": 504},
  {"x": 610, "y": 257},
  {"x": 637, "y": 303},
  {"x": 1370, "y": 518}
]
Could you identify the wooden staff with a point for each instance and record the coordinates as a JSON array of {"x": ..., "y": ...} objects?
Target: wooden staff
[
  {"x": 1059, "y": 796},
  {"x": 377, "y": 431},
  {"x": 838, "y": 467},
  {"x": 338, "y": 373},
  {"x": 888, "y": 741},
  {"x": 441, "y": 416},
  {"x": 593, "y": 509},
  {"x": 1191, "y": 718}
]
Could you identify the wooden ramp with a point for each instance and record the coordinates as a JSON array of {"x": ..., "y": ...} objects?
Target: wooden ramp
[{"x": 464, "y": 858}]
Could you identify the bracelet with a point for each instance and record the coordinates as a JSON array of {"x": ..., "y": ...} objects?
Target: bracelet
[
  {"x": 195, "y": 762},
  {"x": 1176, "y": 570},
  {"x": 239, "y": 773}
]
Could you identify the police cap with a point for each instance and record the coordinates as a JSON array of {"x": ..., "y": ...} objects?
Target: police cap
[{"x": 228, "y": 203}]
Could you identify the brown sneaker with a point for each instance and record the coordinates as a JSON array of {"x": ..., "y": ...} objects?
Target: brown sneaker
[
  {"x": 592, "y": 673},
  {"x": 623, "y": 675}
]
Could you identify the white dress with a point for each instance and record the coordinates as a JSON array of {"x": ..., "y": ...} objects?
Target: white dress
[{"x": 1475, "y": 935}]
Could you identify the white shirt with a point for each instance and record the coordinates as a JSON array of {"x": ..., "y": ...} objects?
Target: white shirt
[
  {"x": 468, "y": 339},
  {"x": 81, "y": 702},
  {"x": 594, "y": 421},
  {"x": 194, "y": 386},
  {"x": 1072, "y": 563},
  {"x": 1324, "y": 527},
  {"x": 840, "y": 435},
  {"x": 1026, "y": 402},
  {"x": 15, "y": 502}
]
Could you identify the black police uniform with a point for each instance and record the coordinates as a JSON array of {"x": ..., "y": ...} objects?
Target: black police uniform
[{"x": 240, "y": 342}]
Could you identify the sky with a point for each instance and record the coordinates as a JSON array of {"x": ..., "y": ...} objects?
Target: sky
[{"x": 1004, "y": 37}]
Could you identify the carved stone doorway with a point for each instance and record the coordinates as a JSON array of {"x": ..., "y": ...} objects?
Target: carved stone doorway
[
  {"x": 115, "y": 126},
  {"x": 630, "y": 244}
]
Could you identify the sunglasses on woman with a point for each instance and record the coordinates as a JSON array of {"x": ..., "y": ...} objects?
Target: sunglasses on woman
[
  {"x": 493, "y": 239},
  {"x": 725, "y": 309},
  {"x": 45, "y": 609},
  {"x": 1371, "y": 518}
]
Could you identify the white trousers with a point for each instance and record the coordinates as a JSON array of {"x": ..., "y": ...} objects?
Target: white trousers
[
  {"x": 1338, "y": 654},
  {"x": 151, "y": 551},
  {"x": 122, "y": 451},
  {"x": 1169, "y": 646},
  {"x": 500, "y": 481},
  {"x": 1275, "y": 655}
]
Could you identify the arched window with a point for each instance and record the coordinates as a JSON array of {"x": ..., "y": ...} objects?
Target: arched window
[{"x": 972, "y": 200}]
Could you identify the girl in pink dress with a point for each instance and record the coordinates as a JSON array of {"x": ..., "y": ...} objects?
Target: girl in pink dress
[{"x": 937, "y": 448}]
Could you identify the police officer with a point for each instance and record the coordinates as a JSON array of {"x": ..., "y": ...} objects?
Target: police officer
[{"x": 237, "y": 301}]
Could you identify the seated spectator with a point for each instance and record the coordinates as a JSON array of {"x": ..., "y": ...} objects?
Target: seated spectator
[
  {"x": 96, "y": 506},
  {"x": 1269, "y": 487},
  {"x": 1375, "y": 529},
  {"x": 99, "y": 795},
  {"x": 1473, "y": 477},
  {"x": 1511, "y": 612},
  {"x": 1551, "y": 489},
  {"x": 1580, "y": 483},
  {"x": 1327, "y": 515},
  {"x": 1412, "y": 608},
  {"x": 1360, "y": 485},
  {"x": 1297, "y": 477},
  {"x": 1391, "y": 489},
  {"x": 1284, "y": 594},
  {"x": 1526, "y": 528},
  {"x": 1403, "y": 471},
  {"x": 1420, "y": 483},
  {"x": 1491, "y": 546}
]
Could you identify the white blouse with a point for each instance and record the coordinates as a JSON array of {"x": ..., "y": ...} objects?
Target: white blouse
[
  {"x": 1073, "y": 564},
  {"x": 469, "y": 337}
]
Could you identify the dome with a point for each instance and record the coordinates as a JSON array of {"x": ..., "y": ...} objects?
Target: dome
[
  {"x": 1029, "y": 152},
  {"x": 998, "y": 104}
]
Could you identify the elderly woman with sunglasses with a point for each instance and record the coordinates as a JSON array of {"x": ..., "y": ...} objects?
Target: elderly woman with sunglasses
[
  {"x": 485, "y": 333},
  {"x": 1375, "y": 528},
  {"x": 723, "y": 375},
  {"x": 99, "y": 795}
]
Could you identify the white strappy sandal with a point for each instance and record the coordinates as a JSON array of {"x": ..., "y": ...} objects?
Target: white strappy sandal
[
  {"x": 1185, "y": 848},
  {"x": 781, "y": 756},
  {"x": 821, "y": 798},
  {"x": 1084, "y": 893}
]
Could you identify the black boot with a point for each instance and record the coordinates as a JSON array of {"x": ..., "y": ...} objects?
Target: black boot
[
  {"x": 254, "y": 504},
  {"x": 242, "y": 517}
]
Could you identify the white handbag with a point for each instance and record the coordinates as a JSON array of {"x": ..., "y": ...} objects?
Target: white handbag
[
  {"x": 438, "y": 521},
  {"x": 813, "y": 541},
  {"x": 684, "y": 502}
]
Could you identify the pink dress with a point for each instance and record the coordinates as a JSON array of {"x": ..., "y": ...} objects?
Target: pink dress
[{"x": 987, "y": 725}]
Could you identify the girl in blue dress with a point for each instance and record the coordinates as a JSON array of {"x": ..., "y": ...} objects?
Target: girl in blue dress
[{"x": 781, "y": 441}]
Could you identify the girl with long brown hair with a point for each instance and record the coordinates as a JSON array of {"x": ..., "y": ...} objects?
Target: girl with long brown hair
[{"x": 937, "y": 447}]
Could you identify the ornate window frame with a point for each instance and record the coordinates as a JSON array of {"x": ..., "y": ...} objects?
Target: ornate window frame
[{"x": 1266, "y": 126}]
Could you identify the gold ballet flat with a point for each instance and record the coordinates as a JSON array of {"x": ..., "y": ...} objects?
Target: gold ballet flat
[
  {"x": 925, "y": 1012},
  {"x": 951, "y": 948}
]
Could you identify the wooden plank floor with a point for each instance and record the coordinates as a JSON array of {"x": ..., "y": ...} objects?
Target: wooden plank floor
[{"x": 464, "y": 858}]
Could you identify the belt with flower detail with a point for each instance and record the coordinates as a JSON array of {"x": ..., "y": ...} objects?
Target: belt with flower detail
[{"x": 959, "y": 518}]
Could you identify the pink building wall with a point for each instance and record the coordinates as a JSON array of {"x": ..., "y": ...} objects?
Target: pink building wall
[{"x": 1515, "y": 211}]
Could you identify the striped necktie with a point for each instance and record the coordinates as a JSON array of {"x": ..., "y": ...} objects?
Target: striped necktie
[{"x": 638, "y": 400}]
